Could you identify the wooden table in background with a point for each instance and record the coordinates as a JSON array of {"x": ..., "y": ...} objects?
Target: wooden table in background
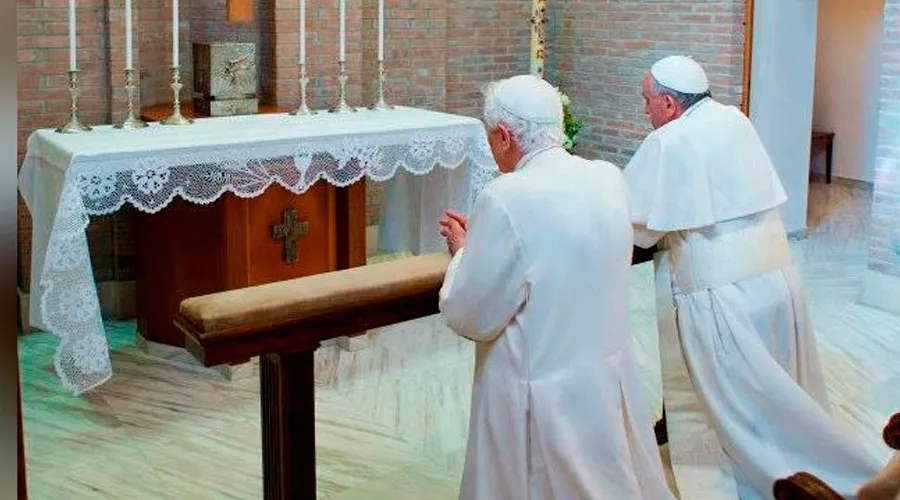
[{"x": 823, "y": 141}]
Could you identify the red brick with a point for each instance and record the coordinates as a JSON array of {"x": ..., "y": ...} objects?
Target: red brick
[{"x": 602, "y": 76}]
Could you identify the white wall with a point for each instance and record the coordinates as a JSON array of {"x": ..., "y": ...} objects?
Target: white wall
[
  {"x": 781, "y": 94},
  {"x": 848, "y": 71}
]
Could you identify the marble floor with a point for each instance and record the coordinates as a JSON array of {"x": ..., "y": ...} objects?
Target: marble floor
[{"x": 392, "y": 418}]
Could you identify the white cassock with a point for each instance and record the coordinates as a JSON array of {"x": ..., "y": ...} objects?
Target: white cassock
[
  {"x": 542, "y": 287},
  {"x": 743, "y": 388}
]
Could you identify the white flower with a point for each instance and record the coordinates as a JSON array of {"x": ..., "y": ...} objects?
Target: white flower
[
  {"x": 150, "y": 181},
  {"x": 97, "y": 185},
  {"x": 565, "y": 99},
  {"x": 421, "y": 146}
]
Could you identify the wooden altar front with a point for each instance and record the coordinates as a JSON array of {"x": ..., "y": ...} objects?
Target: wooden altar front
[{"x": 188, "y": 249}]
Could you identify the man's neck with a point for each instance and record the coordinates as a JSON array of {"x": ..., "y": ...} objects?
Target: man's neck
[
  {"x": 525, "y": 159},
  {"x": 696, "y": 105}
]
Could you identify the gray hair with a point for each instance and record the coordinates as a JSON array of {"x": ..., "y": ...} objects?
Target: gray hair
[
  {"x": 685, "y": 100},
  {"x": 529, "y": 136}
]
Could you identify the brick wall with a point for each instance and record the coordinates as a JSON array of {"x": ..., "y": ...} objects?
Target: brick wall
[
  {"x": 600, "y": 51},
  {"x": 485, "y": 41},
  {"x": 153, "y": 36},
  {"x": 415, "y": 52},
  {"x": 884, "y": 244},
  {"x": 322, "y": 45}
]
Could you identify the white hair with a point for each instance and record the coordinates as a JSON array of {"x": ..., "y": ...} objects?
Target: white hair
[{"x": 529, "y": 136}]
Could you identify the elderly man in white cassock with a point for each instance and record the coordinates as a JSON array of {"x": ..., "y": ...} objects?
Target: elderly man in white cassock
[
  {"x": 745, "y": 401},
  {"x": 539, "y": 280}
]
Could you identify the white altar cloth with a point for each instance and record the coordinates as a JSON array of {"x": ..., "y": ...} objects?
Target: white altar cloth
[{"x": 67, "y": 178}]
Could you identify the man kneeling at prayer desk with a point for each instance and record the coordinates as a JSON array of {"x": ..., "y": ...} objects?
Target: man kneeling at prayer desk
[
  {"x": 539, "y": 280},
  {"x": 745, "y": 399}
]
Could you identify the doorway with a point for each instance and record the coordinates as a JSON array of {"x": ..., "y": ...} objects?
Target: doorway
[
  {"x": 814, "y": 66},
  {"x": 848, "y": 73}
]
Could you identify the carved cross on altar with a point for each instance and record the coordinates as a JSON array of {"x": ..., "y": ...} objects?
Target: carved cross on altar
[{"x": 289, "y": 231}]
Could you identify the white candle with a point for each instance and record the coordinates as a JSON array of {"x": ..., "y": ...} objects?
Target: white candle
[
  {"x": 174, "y": 32},
  {"x": 302, "y": 31},
  {"x": 73, "y": 66},
  {"x": 343, "y": 55},
  {"x": 381, "y": 30},
  {"x": 128, "y": 62}
]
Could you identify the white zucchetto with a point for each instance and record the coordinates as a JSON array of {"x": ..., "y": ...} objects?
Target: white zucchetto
[
  {"x": 530, "y": 98},
  {"x": 681, "y": 74}
]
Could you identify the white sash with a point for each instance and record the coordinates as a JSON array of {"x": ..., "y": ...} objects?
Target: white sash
[{"x": 728, "y": 252}]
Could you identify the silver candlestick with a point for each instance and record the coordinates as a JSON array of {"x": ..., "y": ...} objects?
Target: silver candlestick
[
  {"x": 342, "y": 106},
  {"x": 131, "y": 120},
  {"x": 381, "y": 103},
  {"x": 303, "y": 110},
  {"x": 74, "y": 126},
  {"x": 177, "y": 118}
]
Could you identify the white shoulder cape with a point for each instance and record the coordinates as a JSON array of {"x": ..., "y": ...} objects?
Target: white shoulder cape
[{"x": 708, "y": 166}]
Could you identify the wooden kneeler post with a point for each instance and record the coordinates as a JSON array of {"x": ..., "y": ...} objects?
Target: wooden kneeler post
[
  {"x": 283, "y": 323},
  {"x": 288, "y": 425}
]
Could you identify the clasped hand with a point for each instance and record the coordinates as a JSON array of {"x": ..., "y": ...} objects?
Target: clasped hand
[{"x": 453, "y": 228}]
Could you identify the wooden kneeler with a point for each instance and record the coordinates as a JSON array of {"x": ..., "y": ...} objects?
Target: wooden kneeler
[{"x": 284, "y": 323}]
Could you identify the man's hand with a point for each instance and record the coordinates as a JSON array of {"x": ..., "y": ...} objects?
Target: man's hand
[
  {"x": 453, "y": 228},
  {"x": 463, "y": 221}
]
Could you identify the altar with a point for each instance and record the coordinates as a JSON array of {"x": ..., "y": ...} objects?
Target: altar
[{"x": 200, "y": 229}]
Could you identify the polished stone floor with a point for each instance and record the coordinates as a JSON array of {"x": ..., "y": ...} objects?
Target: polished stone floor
[{"x": 392, "y": 418}]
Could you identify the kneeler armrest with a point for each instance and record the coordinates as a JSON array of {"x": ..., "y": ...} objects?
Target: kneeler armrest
[{"x": 296, "y": 315}]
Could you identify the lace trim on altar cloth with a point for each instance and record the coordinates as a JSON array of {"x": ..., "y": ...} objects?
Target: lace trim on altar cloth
[
  {"x": 152, "y": 183},
  {"x": 69, "y": 305}
]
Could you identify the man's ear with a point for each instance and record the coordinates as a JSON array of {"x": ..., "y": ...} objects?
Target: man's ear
[
  {"x": 505, "y": 136},
  {"x": 671, "y": 104}
]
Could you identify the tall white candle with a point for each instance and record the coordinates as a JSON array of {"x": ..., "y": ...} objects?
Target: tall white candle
[
  {"x": 128, "y": 56},
  {"x": 174, "y": 32},
  {"x": 302, "y": 31},
  {"x": 343, "y": 55},
  {"x": 73, "y": 66},
  {"x": 381, "y": 30}
]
